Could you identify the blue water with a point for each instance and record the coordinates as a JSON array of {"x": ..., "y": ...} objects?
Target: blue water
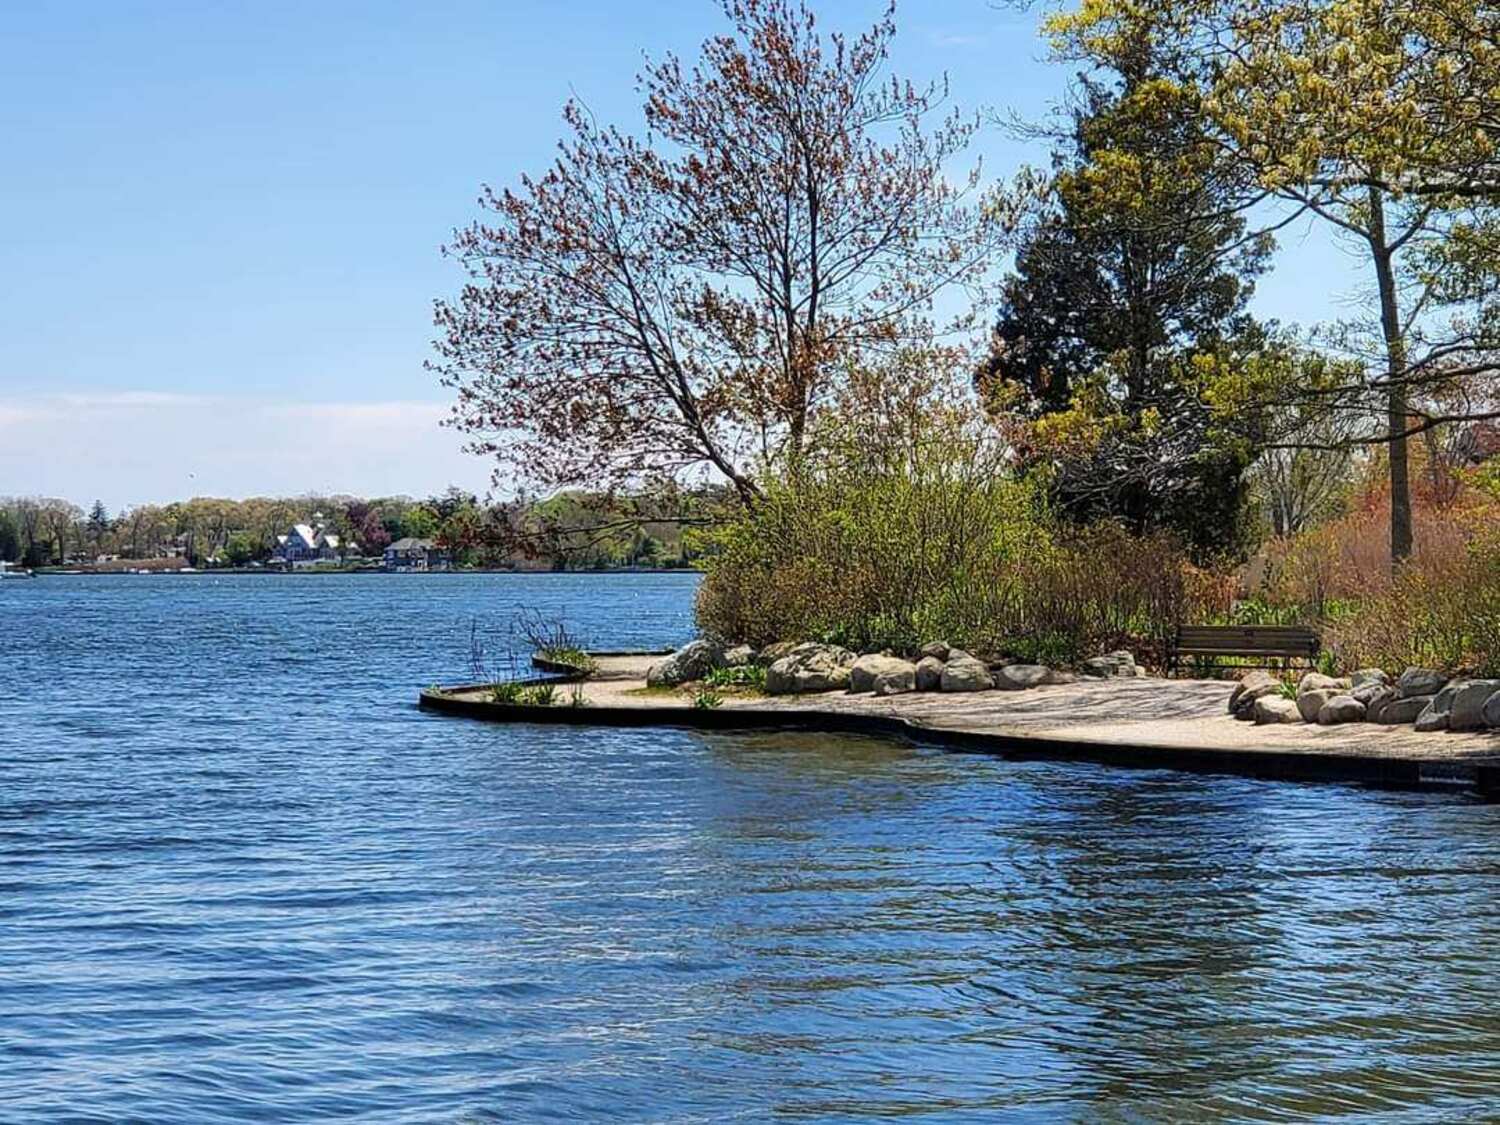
[{"x": 243, "y": 877}]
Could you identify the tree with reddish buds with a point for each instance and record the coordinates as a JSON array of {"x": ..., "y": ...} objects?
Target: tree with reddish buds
[{"x": 690, "y": 299}]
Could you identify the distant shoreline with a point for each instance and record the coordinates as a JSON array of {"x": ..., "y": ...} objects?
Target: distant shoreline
[{"x": 222, "y": 571}]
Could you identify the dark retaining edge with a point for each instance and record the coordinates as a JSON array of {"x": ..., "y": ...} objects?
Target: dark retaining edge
[{"x": 1395, "y": 773}]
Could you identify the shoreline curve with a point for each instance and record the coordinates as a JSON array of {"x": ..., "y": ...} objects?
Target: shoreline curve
[{"x": 1476, "y": 774}]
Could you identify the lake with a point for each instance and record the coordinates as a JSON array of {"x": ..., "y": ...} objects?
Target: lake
[{"x": 243, "y": 876}]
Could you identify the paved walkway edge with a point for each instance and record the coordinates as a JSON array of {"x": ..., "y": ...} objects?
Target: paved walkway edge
[{"x": 1390, "y": 772}]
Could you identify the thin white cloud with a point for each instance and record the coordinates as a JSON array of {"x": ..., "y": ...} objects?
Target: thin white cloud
[
  {"x": 954, "y": 40},
  {"x": 110, "y": 400},
  {"x": 148, "y": 447}
]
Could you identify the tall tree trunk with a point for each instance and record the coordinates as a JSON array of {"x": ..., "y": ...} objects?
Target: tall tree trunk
[{"x": 1395, "y": 367}]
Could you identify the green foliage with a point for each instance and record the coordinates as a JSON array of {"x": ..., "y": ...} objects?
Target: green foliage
[
  {"x": 10, "y": 538},
  {"x": 242, "y": 548},
  {"x": 745, "y": 676},
  {"x": 1137, "y": 267},
  {"x": 576, "y": 698},
  {"x": 519, "y": 695},
  {"x": 882, "y": 549},
  {"x": 572, "y": 656},
  {"x": 541, "y": 695},
  {"x": 706, "y": 700},
  {"x": 508, "y": 692},
  {"x": 1257, "y": 611}
]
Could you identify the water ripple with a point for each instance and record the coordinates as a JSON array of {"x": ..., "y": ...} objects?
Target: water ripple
[{"x": 242, "y": 878}]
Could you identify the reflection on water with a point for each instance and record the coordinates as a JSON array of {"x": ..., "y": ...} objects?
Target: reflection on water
[{"x": 240, "y": 876}]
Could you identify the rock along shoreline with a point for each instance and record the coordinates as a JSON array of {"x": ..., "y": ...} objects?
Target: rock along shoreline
[{"x": 1122, "y": 719}]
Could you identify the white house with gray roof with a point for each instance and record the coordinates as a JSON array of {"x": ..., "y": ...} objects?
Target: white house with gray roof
[{"x": 307, "y": 545}]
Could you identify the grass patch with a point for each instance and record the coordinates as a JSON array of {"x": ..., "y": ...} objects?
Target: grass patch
[
  {"x": 518, "y": 695},
  {"x": 751, "y": 676},
  {"x": 572, "y": 657}
]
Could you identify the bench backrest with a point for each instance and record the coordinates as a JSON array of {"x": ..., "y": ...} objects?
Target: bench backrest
[{"x": 1247, "y": 640}]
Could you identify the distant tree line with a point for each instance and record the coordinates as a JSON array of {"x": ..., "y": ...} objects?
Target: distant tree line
[{"x": 570, "y": 529}]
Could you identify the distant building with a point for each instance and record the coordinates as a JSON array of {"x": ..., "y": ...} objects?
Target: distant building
[
  {"x": 416, "y": 554},
  {"x": 306, "y": 545}
]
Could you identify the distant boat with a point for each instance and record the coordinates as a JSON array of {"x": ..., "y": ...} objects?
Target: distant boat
[{"x": 7, "y": 572}]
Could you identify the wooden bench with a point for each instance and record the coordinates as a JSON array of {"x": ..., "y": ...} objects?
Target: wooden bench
[{"x": 1268, "y": 642}]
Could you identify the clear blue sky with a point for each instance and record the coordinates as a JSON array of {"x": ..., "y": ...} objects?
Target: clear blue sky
[{"x": 222, "y": 221}]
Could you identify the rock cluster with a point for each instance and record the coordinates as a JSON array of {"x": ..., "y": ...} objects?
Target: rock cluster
[
  {"x": 809, "y": 667},
  {"x": 796, "y": 668},
  {"x": 1419, "y": 696},
  {"x": 882, "y": 675},
  {"x": 1253, "y": 688}
]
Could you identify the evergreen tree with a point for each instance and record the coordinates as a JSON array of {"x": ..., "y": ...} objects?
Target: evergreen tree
[
  {"x": 10, "y": 537},
  {"x": 1137, "y": 265},
  {"x": 99, "y": 524}
]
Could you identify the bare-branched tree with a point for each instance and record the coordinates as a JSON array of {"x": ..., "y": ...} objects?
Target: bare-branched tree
[{"x": 655, "y": 306}]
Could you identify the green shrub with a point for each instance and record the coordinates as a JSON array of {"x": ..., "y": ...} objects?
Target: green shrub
[
  {"x": 936, "y": 540},
  {"x": 706, "y": 700},
  {"x": 506, "y": 693},
  {"x": 540, "y": 695},
  {"x": 744, "y": 676},
  {"x": 1441, "y": 612}
]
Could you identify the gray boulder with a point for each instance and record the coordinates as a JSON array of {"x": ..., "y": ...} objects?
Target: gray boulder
[
  {"x": 1435, "y": 715},
  {"x": 692, "y": 661},
  {"x": 936, "y": 649},
  {"x": 1420, "y": 681},
  {"x": 739, "y": 656},
  {"x": 1255, "y": 685},
  {"x": 1118, "y": 663},
  {"x": 1431, "y": 719},
  {"x": 1491, "y": 712},
  {"x": 810, "y": 667},
  {"x": 1276, "y": 709},
  {"x": 898, "y": 678},
  {"x": 1316, "y": 681},
  {"x": 1398, "y": 712},
  {"x": 1372, "y": 693},
  {"x": 929, "y": 673},
  {"x": 963, "y": 672},
  {"x": 1309, "y": 703},
  {"x": 775, "y": 651},
  {"x": 865, "y": 671},
  {"x": 1341, "y": 709},
  {"x": 1362, "y": 676},
  {"x": 1019, "y": 677},
  {"x": 1469, "y": 703}
]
